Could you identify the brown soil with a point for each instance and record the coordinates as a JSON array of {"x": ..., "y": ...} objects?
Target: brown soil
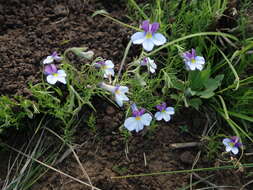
[{"x": 31, "y": 30}]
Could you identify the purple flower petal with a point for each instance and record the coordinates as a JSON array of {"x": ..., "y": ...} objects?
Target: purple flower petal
[
  {"x": 161, "y": 107},
  {"x": 154, "y": 27},
  {"x": 50, "y": 69},
  {"x": 145, "y": 25}
]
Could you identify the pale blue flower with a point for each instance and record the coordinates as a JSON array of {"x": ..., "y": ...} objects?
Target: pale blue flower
[
  {"x": 51, "y": 58},
  {"x": 54, "y": 75},
  {"x": 107, "y": 67},
  {"x": 232, "y": 144},
  {"x": 150, "y": 63},
  {"x": 192, "y": 61},
  {"x": 118, "y": 91},
  {"x": 164, "y": 112},
  {"x": 148, "y": 38},
  {"x": 139, "y": 119}
]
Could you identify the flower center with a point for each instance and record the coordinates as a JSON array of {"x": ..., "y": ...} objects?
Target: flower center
[
  {"x": 104, "y": 67},
  {"x": 55, "y": 74},
  {"x": 163, "y": 111},
  {"x": 231, "y": 144},
  {"x": 138, "y": 118},
  {"x": 193, "y": 61},
  {"x": 117, "y": 92},
  {"x": 148, "y": 35}
]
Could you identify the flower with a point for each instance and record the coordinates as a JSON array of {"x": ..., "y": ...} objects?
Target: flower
[
  {"x": 164, "y": 112},
  {"x": 107, "y": 67},
  {"x": 150, "y": 63},
  {"x": 139, "y": 119},
  {"x": 232, "y": 144},
  {"x": 192, "y": 61},
  {"x": 118, "y": 91},
  {"x": 52, "y": 58},
  {"x": 54, "y": 75},
  {"x": 149, "y": 37}
]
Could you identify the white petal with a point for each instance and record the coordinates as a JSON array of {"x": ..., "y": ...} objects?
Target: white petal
[
  {"x": 119, "y": 100},
  {"x": 61, "y": 73},
  {"x": 146, "y": 119},
  {"x": 200, "y": 60},
  {"x": 199, "y": 67},
  {"x": 170, "y": 110},
  {"x": 226, "y": 141},
  {"x": 109, "y": 64},
  {"x": 235, "y": 150},
  {"x": 131, "y": 123},
  {"x": 192, "y": 66},
  {"x": 228, "y": 148},
  {"x": 107, "y": 87},
  {"x": 158, "y": 116},
  {"x": 138, "y": 37},
  {"x": 51, "y": 79},
  {"x": 108, "y": 72},
  {"x": 158, "y": 39},
  {"x": 123, "y": 89},
  {"x": 48, "y": 60},
  {"x": 61, "y": 79},
  {"x": 148, "y": 44},
  {"x": 166, "y": 116},
  {"x": 140, "y": 126}
]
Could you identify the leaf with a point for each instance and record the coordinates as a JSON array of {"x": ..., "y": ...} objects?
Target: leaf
[
  {"x": 212, "y": 84},
  {"x": 195, "y": 102},
  {"x": 206, "y": 94}
]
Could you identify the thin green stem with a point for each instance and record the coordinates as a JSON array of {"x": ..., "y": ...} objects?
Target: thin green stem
[
  {"x": 249, "y": 165},
  {"x": 191, "y": 36}
]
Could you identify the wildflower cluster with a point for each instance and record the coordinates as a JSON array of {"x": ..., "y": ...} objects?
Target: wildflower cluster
[
  {"x": 148, "y": 38},
  {"x": 50, "y": 69}
]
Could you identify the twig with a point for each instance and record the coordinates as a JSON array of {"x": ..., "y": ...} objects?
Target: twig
[{"x": 185, "y": 145}]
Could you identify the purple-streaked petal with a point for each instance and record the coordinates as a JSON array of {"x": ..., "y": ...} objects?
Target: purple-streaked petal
[
  {"x": 161, "y": 107},
  {"x": 50, "y": 69},
  {"x": 158, "y": 39},
  {"x": 200, "y": 60},
  {"x": 235, "y": 139},
  {"x": 145, "y": 25},
  {"x": 148, "y": 45},
  {"x": 170, "y": 110},
  {"x": 154, "y": 27},
  {"x": 134, "y": 107},
  {"x": 193, "y": 53},
  {"x": 138, "y": 37}
]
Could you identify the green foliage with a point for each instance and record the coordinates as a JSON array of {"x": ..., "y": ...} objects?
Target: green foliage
[{"x": 91, "y": 122}]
